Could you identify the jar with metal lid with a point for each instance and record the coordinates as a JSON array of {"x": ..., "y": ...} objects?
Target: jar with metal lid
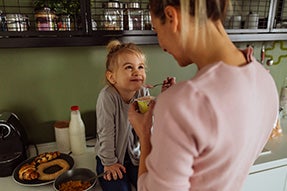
[
  {"x": 147, "y": 19},
  {"x": 2, "y": 22},
  {"x": 46, "y": 20},
  {"x": 113, "y": 16},
  {"x": 16, "y": 22},
  {"x": 64, "y": 23},
  {"x": 135, "y": 16}
]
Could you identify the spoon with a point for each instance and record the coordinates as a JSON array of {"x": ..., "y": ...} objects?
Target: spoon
[
  {"x": 152, "y": 86},
  {"x": 94, "y": 177}
]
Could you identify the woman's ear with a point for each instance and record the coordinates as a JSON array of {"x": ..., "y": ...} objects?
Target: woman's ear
[
  {"x": 110, "y": 77},
  {"x": 172, "y": 17}
]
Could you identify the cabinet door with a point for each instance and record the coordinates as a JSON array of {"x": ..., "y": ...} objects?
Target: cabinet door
[
  {"x": 280, "y": 18},
  {"x": 120, "y": 15},
  {"x": 249, "y": 16},
  {"x": 269, "y": 180},
  {"x": 41, "y": 17}
]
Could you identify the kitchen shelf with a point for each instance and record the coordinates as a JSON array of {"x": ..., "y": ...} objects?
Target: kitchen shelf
[
  {"x": 258, "y": 37},
  {"x": 90, "y": 26},
  {"x": 63, "y": 40},
  {"x": 87, "y": 29}
]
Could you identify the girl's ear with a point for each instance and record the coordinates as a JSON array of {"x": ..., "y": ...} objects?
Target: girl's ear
[
  {"x": 110, "y": 77},
  {"x": 172, "y": 17}
]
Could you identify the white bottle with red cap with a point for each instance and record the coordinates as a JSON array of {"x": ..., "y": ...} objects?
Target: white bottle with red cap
[{"x": 77, "y": 132}]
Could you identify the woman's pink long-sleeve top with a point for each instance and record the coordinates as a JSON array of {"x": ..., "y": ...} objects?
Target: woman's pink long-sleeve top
[{"x": 209, "y": 130}]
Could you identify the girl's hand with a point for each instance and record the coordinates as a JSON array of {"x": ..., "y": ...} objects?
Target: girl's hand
[
  {"x": 169, "y": 81},
  {"x": 114, "y": 171}
]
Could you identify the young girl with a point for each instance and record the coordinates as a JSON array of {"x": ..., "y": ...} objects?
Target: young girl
[
  {"x": 118, "y": 153},
  {"x": 207, "y": 130}
]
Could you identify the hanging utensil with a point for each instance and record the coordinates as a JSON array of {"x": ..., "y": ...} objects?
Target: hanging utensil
[{"x": 262, "y": 54}]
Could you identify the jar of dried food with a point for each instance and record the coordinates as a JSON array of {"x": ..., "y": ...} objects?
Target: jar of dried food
[
  {"x": 135, "y": 16},
  {"x": 2, "y": 22},
  {"x": 16, "y": 22},
  {"x": 46, "y": 20},
  {"x": 112, "y": 16},
  {"x": 147, "y": 19}
]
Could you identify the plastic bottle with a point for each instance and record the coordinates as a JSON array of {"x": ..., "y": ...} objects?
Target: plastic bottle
[{"x": 77, "y": 132}]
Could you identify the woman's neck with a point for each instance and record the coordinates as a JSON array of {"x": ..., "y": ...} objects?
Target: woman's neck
[{"x": 218, "y": 47}]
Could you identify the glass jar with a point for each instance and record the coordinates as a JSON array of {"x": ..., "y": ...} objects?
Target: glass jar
[
  {"x": 135, "y": 16},
  {"x": 46, "y": 20},
  {"x": 2, "y": 22},
  {"x": 147, "y": 19},
  {"x": 112, "y": 16},
  {"x": 64, "y": 23},
  {"x": 16, "y": 22}
]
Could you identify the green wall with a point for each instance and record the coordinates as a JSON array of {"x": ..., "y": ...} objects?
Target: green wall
[{"x": 40, "y": 84}]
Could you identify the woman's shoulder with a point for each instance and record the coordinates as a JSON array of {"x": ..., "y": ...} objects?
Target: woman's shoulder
[{"x": 181, "y": 92}]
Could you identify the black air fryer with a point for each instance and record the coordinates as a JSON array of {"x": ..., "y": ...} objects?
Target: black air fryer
[{"x": 13, "y": 143}]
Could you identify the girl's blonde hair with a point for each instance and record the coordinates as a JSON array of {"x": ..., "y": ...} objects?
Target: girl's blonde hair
[
  {"x": 116, "y": 49},
  {"x": 200, "y": 10}
]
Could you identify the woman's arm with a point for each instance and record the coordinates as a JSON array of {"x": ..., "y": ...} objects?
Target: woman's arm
[{"x": 142, "y": 124}]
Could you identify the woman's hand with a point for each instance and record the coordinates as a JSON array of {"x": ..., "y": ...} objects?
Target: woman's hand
[
  {"x": 114, "y": 171},
  {"x": 141, "y": 123},
  {"x": 169, "y": 81},
  {"x": 249, "y": 53}
]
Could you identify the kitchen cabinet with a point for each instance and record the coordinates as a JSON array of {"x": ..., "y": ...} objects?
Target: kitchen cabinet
[
  {"x": 20, "y": 26},
  {"x": 98, "y": 21},
  {"x": 257, "y": 20},
  {"x": 270, "y": 179}
]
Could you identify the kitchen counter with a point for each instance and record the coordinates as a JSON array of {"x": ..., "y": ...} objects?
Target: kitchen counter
[
  {"x": 276, "y": 158},
  {"x": 86, "y": 160}
]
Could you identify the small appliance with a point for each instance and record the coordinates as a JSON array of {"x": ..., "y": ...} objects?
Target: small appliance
[{"x": 13, "y": 143}]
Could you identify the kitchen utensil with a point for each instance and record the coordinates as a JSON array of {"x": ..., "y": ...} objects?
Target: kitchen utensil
[
  {"x": 269, "y": 62},
  {"x": 76, "y": 174},
  {"x": 262, "y": 54},
  {"x": 152, "y": 86},
  {"x": 95, "y": 177}
]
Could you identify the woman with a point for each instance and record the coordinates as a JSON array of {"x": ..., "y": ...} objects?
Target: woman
[{"x": 207, "y": 131}]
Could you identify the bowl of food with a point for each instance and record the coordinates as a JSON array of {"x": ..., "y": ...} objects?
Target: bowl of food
[
  {"x": 77, "y": 179},
  {"x": 143, "y": 103}
]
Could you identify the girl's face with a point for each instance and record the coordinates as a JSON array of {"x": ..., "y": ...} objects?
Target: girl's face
[{"x": 130, "y": 74}]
